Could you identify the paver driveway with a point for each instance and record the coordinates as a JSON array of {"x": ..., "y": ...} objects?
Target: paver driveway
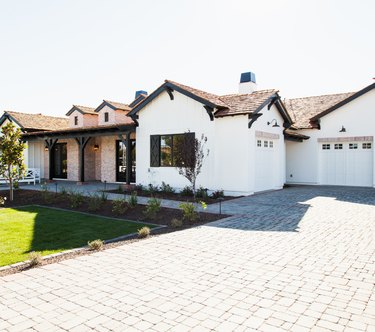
[{"x": 298, "y": 259}]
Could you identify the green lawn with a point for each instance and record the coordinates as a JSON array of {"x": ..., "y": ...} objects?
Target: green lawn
[{"x": 48, "y": 231}]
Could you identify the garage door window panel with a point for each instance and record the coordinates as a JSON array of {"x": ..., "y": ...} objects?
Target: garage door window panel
[{"x": 338, "y": 146}]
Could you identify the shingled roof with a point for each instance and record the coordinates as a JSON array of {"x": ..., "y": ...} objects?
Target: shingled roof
[
  {"x": 302, "y": 110},
  {"x": 226, "y": 105},
  {"x": 36, "y": 122},
  {"x": 82, "y": 109},
  {"x": 118, "y": 106}
]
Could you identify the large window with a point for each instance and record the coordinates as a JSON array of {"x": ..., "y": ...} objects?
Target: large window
[{"x": 171, "y": 150}]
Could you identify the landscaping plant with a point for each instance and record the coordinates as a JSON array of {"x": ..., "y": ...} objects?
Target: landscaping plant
[
  {"x": 133, "y": 199},
  {"x": 176, "y": 223},
  {"x": 95, "y": 202},
  {"x": 218, "y": 194},
  {"x": 152, "y": 208},
  {"x": 76, "y": 199},
  {"x": 188, "y": 212},
  {"x": 119, "y": 206},
  {"x": 187, "y": 191},
  {"x": 96, "y": 244},
  {"x": 166, "y": 188},
  {"x": 144, "y": 232},
  {"x": 35, "y": 258},
  {"x": 12, "y": 167},
  {"x": 190, "y": 155}
]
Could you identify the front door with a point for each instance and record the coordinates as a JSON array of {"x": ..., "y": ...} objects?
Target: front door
[
  {"x": 60, "y": 161},
  {"x": 121, "y": 161}
]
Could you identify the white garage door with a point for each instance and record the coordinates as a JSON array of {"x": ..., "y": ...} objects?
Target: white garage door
[
  {"x": 346, "y": 163},
  {"x": 266, "y": 164}
]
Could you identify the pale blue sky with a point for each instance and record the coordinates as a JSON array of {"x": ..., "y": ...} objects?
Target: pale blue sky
[{"x": 58, "y": 53}]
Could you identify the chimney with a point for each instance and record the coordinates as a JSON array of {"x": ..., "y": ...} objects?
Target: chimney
[
  {"x": 247, "y": 83},
  {"x": 140, "y": 92}
]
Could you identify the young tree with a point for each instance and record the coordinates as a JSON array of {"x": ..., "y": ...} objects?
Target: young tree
[
  {"x": 11, "y": 155},
  {"x": 190, "y": 153}
]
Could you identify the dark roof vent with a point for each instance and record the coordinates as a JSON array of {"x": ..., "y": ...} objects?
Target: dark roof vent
[
  {"x": 140, "y": 92},
  {"x": 247, "y": 77}
]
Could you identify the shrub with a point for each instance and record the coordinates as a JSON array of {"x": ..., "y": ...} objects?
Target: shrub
[
  {"x": 16, "y": 185},
  {"x": 119, "y": 206},
  {"x": 139, "y": 187},
  {"x": 166, "y": 188},
  {"x": 95, "y": 202},
  {"x": 103, "y": 196},
  {"x": 46, "y": 195},
  {"x": 187, "y": 191},
  {"x": 218, "y": 194},
  {"x": 133, "y": 199},
  {"x": 35, "y": 258},
  {"x": 2, "y": 200},
  {"x": 120, "y": 189},
  {"x": 201, "y": 193},
  {"x": 76, "y": 199},
  {"x": 144, "y": 232},
  {"x": 152, "y": 208},
  {"x": 175, "y": 223},
  {"x": 96, "y": 244},
  {"x": 152, "y": 189},
  {"x": 188, "y": 211},
  {"x": 63, "y": 192}
]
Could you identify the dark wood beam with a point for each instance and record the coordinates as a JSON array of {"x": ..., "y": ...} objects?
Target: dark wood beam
[
  {"x": 210, "y": 112},
  {"x": 50, "y": 144},
  {"x": 170, "y": 92},
  {"x": 82, "y": 142},
  {"x": 253, "y": 117},
  {"x": 128, "y": 159}
]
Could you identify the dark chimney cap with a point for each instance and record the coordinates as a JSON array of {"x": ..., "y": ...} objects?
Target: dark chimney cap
[
  {"x": 247, "y": 77},
  {"x": 140, "y": 92}
]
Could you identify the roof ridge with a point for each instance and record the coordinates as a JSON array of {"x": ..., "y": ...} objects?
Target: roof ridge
[
  {"x": 117, "y": 102},
  {"x": 326, "y": 95},
  {"x": 83, "y": 106},
  {"x": 249, "y": 94},
  {"x": 40, "y": 114}
]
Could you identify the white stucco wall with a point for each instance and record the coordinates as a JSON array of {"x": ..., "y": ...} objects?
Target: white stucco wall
[
  {"x": 358, "y": 117},
  {"x": 230, "y": 165}
]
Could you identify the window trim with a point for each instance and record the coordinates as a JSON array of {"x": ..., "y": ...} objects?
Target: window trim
[{"x": 106, "y": 117}]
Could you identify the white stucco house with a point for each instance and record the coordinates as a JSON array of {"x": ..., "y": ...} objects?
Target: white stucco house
[
  {"x": 256, "y": 141},
  {"x": 339, "y": 150}
]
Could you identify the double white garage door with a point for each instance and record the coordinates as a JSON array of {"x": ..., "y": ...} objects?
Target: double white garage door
[{"x": 346, "y": 163}]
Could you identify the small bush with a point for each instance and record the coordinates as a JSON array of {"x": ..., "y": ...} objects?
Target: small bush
[
  {"x": 152, "y": 208},
  {"x": 187, "y": 191},
  {"x": 2, "y": 200},
  {"x": 152, "y": 189},
  {"x": 139, "y": 187},
  {"x": 103, "y": 196},
  {"x": 76, "y": 199},
  {"x": 120, "y": 189},
  {"x": 144, "y": 232},
  {"x": 166, "y": 188},
  {"x": 35, "y": 258},
  {"x": 95, "y": 202},
  {"x": 133, "y": 199},
  {"x": 63, "y": 192},
  {"x": 218, "y": 194},
  {"x": 119, "y": 206},
  {"x": 46, "y": 195},
  {"x": 16, "y": 185},
  {"x": 201, "y": 193},
  {"x": 188, "y": 212},
  {"x": 176, "y": 223},
  {"x": 96, "y": 244}
]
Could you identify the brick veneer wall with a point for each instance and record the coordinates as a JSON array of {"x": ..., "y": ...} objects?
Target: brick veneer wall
[{"x": 108, "y": 158}]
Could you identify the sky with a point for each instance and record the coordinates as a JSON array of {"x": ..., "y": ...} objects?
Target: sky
[{"x": 57, "y": 53}]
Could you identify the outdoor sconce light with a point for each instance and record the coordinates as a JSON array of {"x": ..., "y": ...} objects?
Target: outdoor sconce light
[
  {"x": 96, "y": 147},
  {"x": 275, "y": 125},
  {"x": 45, "y": 148},
  {"x": 342, "y": 130}
]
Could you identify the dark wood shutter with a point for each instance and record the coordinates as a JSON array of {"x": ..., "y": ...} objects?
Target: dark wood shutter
[{"x": 154, "y": 150}]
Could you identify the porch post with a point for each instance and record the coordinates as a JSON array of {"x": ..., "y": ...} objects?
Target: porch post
[
  {"x": 128, "y": 159},
  {"x": 82, "y": 142},
  {"x": 50, "y": 143}
]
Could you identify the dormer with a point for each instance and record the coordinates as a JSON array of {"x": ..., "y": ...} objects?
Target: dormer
[
  {"x": 110, "y": 113},
  {"x": 82, "y": 116}
]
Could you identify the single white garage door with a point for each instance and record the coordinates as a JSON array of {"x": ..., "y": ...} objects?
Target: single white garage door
[
  {"x": 346, "y": 163},
  {"x": 266, "y": 164}
]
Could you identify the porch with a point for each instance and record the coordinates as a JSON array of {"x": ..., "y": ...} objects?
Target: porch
[{"x": 103, "y": 153}]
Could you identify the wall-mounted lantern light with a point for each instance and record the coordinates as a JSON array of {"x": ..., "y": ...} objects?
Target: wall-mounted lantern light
[
  {"x": 342, "y": 130},
  {"x": 274, "y": 125},
  {"x": 96, "y": 147},
  {"x": 45, "y": 148}
]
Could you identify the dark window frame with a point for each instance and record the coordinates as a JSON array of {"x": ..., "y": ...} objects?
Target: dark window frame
[
  {"x": 106, "y": 116},
  {"x": 76, "y": 120},
  {"x": 173, "y": 164}
]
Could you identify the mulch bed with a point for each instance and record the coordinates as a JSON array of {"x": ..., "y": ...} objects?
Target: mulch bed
[
  {"x": 172, "y": 196},
  {"x": 164, "y": 217}
]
